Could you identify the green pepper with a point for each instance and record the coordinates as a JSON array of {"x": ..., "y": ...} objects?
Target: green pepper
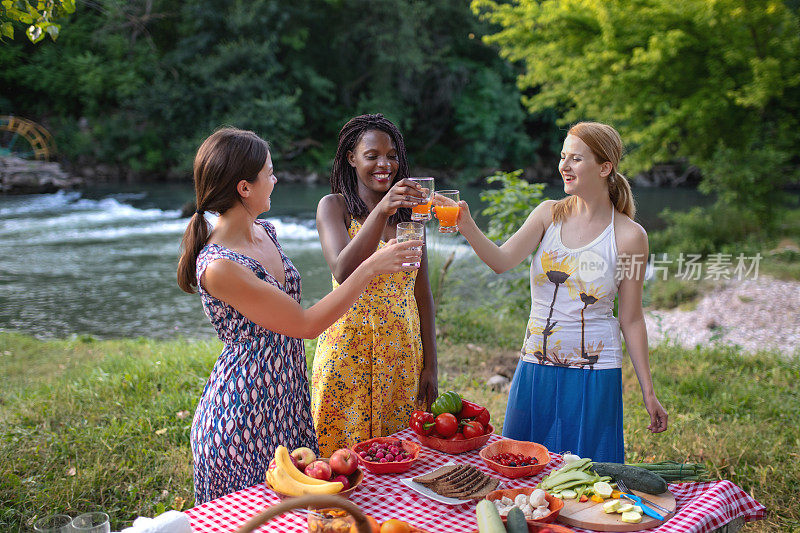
[{"x": 449, "y": 402}]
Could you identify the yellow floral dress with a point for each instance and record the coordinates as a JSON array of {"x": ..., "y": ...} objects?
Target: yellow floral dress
[{"x": 367, "y": 364}]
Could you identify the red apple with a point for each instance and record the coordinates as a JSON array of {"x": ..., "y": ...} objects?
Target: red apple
[
  {"x": 302, "y": 457},
  {"x": 319, "y": 470},
  {"x": 343, "y": 480},
  {"x": 344, "y": 461}
]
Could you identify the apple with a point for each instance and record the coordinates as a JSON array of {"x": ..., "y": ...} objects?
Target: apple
[
  {"x": 343, "y": 480},
  {"x": 302, "y": 457},
  {"x": 319, "y": 470},
  {"x": 344, "y": 461}
]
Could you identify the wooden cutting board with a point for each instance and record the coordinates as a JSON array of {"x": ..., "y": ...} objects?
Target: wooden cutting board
[{"x": 590, "y": 515}]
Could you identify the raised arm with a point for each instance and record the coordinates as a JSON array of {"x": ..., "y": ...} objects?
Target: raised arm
[
  {"x": 344, "y": 254},
  {"x": 268, "y": 306},
  {"x": 515, "y": 249},
  {"x": 633, "y": 252}
]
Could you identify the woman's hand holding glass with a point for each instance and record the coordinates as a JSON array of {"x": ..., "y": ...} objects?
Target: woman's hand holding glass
[
  {"x": 404, "y": 193},
  {"x": 396, "y": 257}
]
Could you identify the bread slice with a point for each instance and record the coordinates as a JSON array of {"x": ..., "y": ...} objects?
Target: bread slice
[
  {"x": 463, "y": 483},
  {"x": 438, "y": 474}
]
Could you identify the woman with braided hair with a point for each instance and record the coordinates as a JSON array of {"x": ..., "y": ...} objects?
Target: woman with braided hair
[
  {"x": 377, "y": 363},
  {"x": 257, "y": 395},
  {"x": 567, "y": 389}
]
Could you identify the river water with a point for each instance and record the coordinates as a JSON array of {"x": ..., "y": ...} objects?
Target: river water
[{"x": 102, "y": 261}]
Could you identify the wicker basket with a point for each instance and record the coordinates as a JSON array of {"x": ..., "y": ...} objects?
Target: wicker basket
[{"x": 304, "y": 502}]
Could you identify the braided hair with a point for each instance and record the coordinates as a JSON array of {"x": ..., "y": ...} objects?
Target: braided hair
[{"x": 344, "y": 180}]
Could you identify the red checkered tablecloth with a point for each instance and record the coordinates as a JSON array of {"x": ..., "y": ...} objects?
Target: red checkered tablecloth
[{"x": 701, "y": 507}]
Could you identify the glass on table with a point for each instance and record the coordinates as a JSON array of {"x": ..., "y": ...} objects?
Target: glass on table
[
  {"x": 445, "y": 204},
  {"x": 91, "y": 523},
  {"x": 57, "y": 523},
  {"x": 423, "y": 210},
  {"x": 410, "y": 231}
]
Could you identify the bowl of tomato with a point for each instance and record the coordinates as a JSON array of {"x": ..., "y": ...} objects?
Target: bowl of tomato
[
  {"x": 515, "y": 458},
  {"x": 455, "y": 444}
]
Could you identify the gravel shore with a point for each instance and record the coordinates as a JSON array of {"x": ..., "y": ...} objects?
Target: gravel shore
[{"x": 761, "y": 314}]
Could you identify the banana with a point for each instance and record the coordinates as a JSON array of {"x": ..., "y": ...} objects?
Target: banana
[
  {"x": 282, "y": 482},
  {"x": 284, "y": 461}
]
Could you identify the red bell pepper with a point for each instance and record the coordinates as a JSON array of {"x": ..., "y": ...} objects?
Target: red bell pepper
[
  {"x": 422, "y": 423},
  {"x": 474, "y": 411},
  {"x": 469, "y": 409}
]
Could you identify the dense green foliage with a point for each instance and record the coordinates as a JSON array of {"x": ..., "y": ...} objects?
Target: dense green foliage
[
  {"x": 41, "y": 17},
  {"x": 138, "y": 84},
  {"x": 90, "y": 425},
  {"x": 714, "y": 83}
]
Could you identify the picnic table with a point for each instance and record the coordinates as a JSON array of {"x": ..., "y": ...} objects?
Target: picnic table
[{"x": 701, "y": 507}]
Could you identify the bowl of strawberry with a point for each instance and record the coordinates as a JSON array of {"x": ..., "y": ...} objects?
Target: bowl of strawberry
[
  {"x": 386, "y": 455},
  {"x": 515, "y": 458},
  {"x": 454, "y": 426}
]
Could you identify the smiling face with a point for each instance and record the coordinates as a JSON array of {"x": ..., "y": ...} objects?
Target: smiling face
[
  {"x": 579, "y": 168},
  {"x": 375, "y": 161},
  {"x": 260, "y": 190}
]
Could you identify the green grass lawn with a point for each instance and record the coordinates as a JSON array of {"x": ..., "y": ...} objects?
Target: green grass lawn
[{"x": 104, "y": 425}]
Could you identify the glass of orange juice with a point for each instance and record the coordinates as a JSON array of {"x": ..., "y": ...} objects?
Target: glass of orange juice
[
  {"x": 445, "y": 204},
  {"x": 423, "y": 210}
]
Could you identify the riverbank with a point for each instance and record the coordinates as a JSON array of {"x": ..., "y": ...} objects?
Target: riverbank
[
  {"x": 753, "y": 314},
  {"x": 104, "y": 425}
]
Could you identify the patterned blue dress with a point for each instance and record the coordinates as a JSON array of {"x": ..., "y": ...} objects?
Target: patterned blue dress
[{"x": 257, "y": 396}]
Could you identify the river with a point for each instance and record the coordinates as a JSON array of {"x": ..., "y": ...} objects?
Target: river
[{"x": 102, "y": 261}]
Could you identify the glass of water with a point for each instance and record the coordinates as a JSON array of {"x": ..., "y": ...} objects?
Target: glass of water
[
  {"x": 423, "y": 210},
  {"x": 57, "y": 523},
  {"x": 410, "y": 231},
  {"x": 91, "y": 523}
]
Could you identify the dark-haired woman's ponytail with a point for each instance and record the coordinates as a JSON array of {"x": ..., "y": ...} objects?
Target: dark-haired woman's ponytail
[{"x": 194, "y": 238}]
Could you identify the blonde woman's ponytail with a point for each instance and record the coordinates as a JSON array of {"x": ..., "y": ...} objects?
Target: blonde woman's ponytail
[{"x": 619, "y": 190}]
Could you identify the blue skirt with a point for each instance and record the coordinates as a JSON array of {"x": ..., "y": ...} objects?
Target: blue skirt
[{"x": 567, "y": 409}]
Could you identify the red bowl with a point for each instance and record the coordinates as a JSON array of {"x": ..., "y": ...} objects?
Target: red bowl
[
  {"x": 555, "y": 503},
  {"x": 456, "y": 446},
  {"x": 395, "y": 467},
  {"x": 530, "y": 449},
  {"x": 355, "y": 480}
]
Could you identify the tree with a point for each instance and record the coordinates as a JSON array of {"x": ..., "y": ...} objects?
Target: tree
[
  {"x": 715, "y": 83},
  {"x": 40, "y": 17}
]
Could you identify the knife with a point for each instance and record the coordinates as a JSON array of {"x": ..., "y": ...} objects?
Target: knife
[{"x": 646, "y": 509}]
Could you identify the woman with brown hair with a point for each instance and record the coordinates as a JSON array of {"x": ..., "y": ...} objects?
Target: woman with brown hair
[
  {"x": 257, "y": 396},
  {"x": 567, "y": 388}
]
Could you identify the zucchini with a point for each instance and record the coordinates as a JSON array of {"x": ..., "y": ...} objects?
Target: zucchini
[
  {"x": 634, "y": 477},
  {"x": 488, "y": 518},
  {"x": 515, "y": 521}
]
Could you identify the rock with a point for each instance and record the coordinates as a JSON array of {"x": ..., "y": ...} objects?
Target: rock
[
  {"x": 22, "y": 176},
  {"x": 499, "y": 382}
]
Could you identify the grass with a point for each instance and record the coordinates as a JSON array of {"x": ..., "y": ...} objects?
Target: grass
[{"x": 104, "y": 425}]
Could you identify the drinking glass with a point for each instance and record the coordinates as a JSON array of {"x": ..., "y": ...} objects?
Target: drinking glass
[
  {"x": 410, "y": 231},
  {"x": 423, "y": 211},
  {"x": 446, "y": 207},
  {"x": 57, "y": 523},
  {"x": 91, "y": 523}
]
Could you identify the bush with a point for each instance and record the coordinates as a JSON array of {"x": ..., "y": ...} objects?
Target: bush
[{"x": 716, "y": 229}]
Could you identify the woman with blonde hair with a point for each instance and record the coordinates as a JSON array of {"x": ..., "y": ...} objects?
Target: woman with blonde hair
[
  {"x": 257, "y": 396},
  {"x": 567, "y": 389}
]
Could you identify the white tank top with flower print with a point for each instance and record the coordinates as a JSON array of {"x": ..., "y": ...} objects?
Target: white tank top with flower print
[{"x": 572, "y": 323}]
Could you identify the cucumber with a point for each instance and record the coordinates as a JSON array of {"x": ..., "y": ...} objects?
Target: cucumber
[
  {"x": 515, "y": 521},
  {"x": 488, "y": 518},
  {"x": 634, "y": 477}
]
